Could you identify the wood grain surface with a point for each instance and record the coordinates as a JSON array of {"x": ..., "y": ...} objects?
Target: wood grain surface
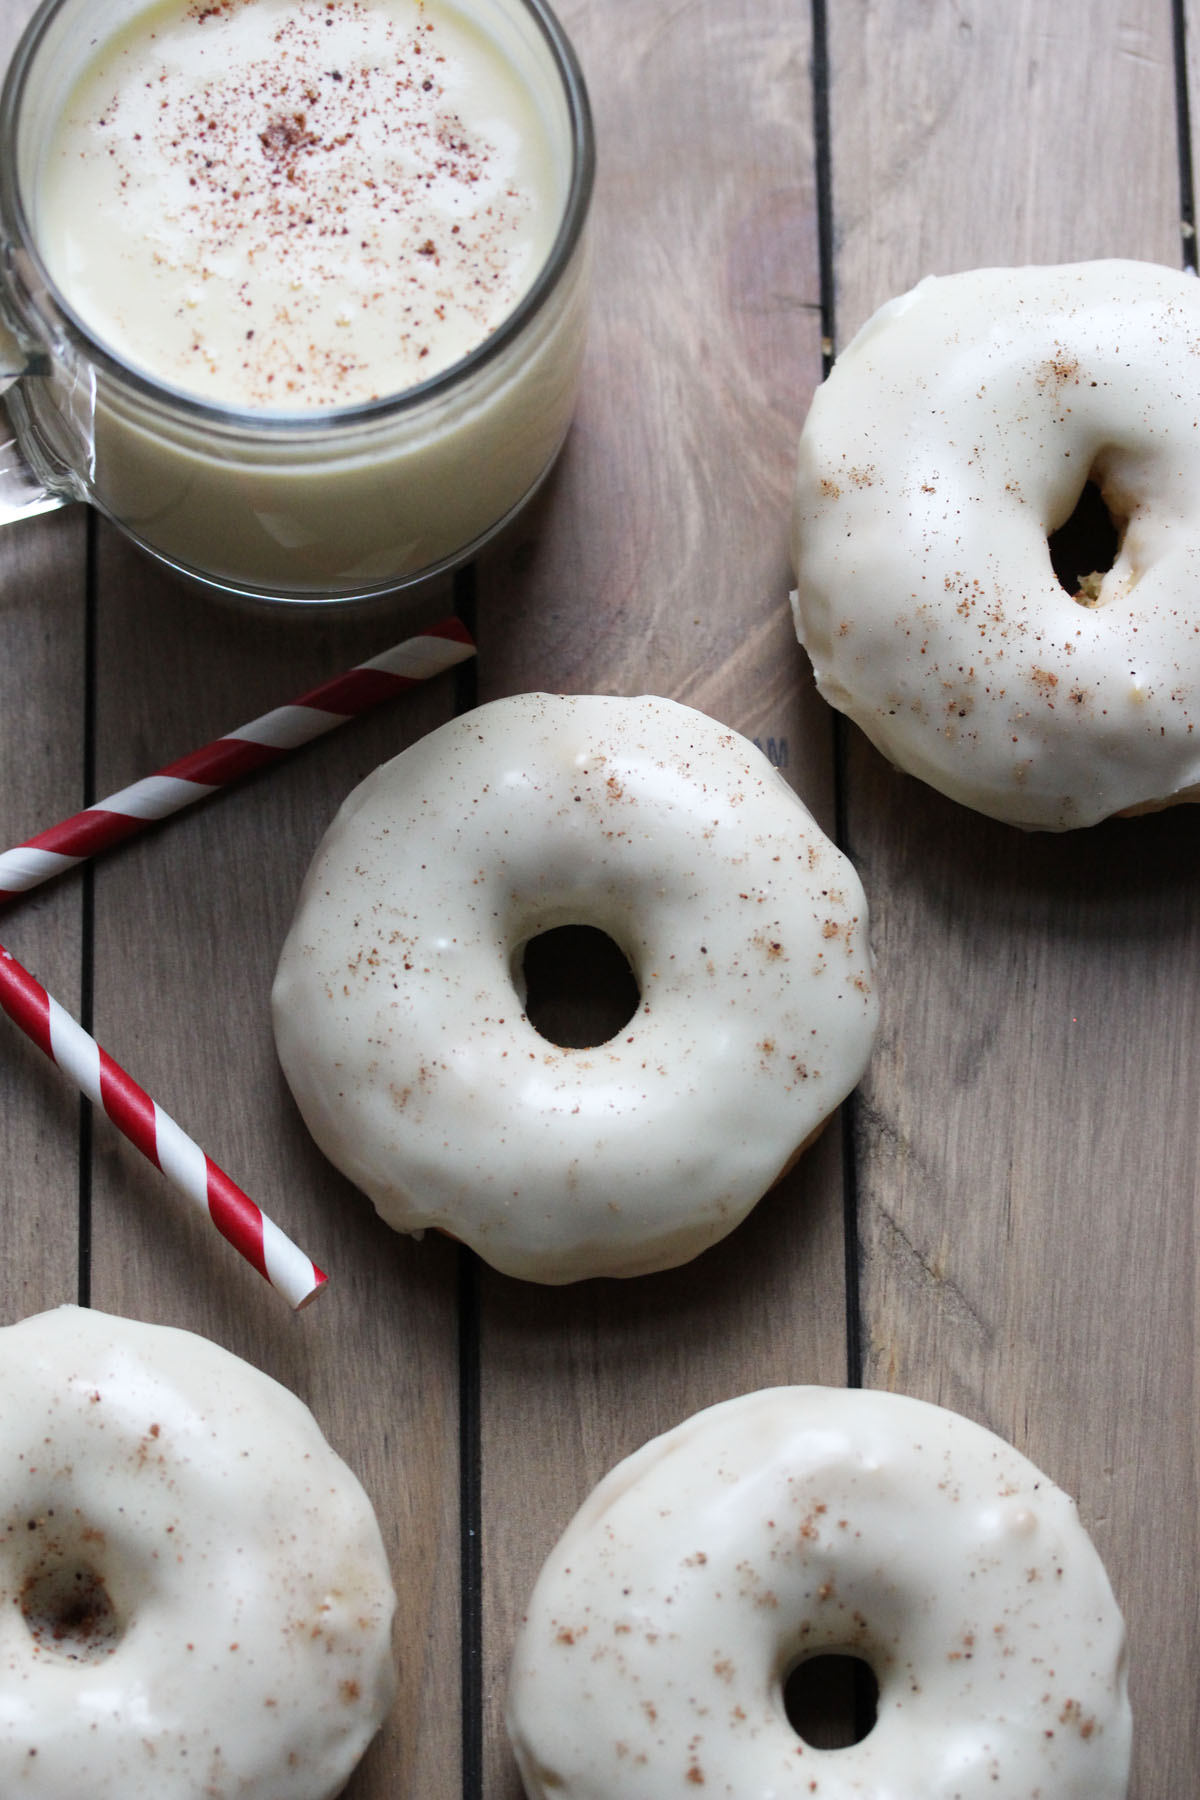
[
  {"x": 1025, "y": 1144},
  {"x": 1003, "y": 1218}
]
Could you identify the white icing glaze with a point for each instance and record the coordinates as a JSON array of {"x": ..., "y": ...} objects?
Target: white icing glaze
[
  {"x": 399, "y": 1011},
  {"x": 802, "y": 1521},
  {"x": 954, "y": 434},
  {"x": 195, "y": 1594}
]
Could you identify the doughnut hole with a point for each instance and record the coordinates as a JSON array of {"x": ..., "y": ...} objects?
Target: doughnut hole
[
  {"x": 831, "y": 1700},
  {"x": 1086, "y": 545},
  {"x": 576, "y": 986},
  {"x": 67, "y": 1609}
]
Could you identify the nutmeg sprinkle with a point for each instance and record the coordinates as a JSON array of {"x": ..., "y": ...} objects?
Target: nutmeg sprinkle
[{"x": 297, "y": 204}]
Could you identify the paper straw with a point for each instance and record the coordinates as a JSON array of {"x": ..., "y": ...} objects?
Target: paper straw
[
  {"x": 156, "y": 1135},
  {"x": 228, "y": 758}
]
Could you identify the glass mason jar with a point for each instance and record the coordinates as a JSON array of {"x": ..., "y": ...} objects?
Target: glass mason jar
[{"x": 337, "y": 504}]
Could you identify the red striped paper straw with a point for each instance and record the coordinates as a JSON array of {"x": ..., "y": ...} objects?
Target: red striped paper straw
[
  {"x": 156, "y": 1135},
  {"x": 228, "y": 758}
]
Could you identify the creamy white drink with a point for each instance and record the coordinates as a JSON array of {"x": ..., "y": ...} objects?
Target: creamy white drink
[
  {"x": 296, "y": 203},
  {"x": 285, "y": 223}
]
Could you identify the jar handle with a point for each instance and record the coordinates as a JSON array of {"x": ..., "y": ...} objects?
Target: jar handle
[{"x": 23, "y": 494}]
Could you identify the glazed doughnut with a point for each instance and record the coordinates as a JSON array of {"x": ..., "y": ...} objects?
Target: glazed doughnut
[
  {"x": 956, "y": 432},
  {"x": 196, "y": 1598},
  {"x": 806, "y": 1521},
  {"x": 399, "y": 1000}
]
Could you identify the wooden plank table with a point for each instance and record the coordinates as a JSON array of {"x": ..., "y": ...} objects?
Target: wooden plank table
[{"x": 1004, "y": 1218}]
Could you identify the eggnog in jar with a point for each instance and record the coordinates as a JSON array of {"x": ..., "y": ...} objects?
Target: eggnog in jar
[{"x": 318, "y": 271}]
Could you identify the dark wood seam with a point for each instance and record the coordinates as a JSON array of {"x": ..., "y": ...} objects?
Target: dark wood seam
[
  {"x": 1183, "y": 129},
  {"x": 822, "y": 139},
  {"x": 87, "y": 929},
  {"x": 466, "y": 696}
]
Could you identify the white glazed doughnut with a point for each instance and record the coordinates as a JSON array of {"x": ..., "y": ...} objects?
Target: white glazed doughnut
[
  {"x": 955, "y": 433},
  {"x": 806, "y": 1521},
  {"x": 399, "y": 997},
  {"x": 195, "y": 1595}
]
